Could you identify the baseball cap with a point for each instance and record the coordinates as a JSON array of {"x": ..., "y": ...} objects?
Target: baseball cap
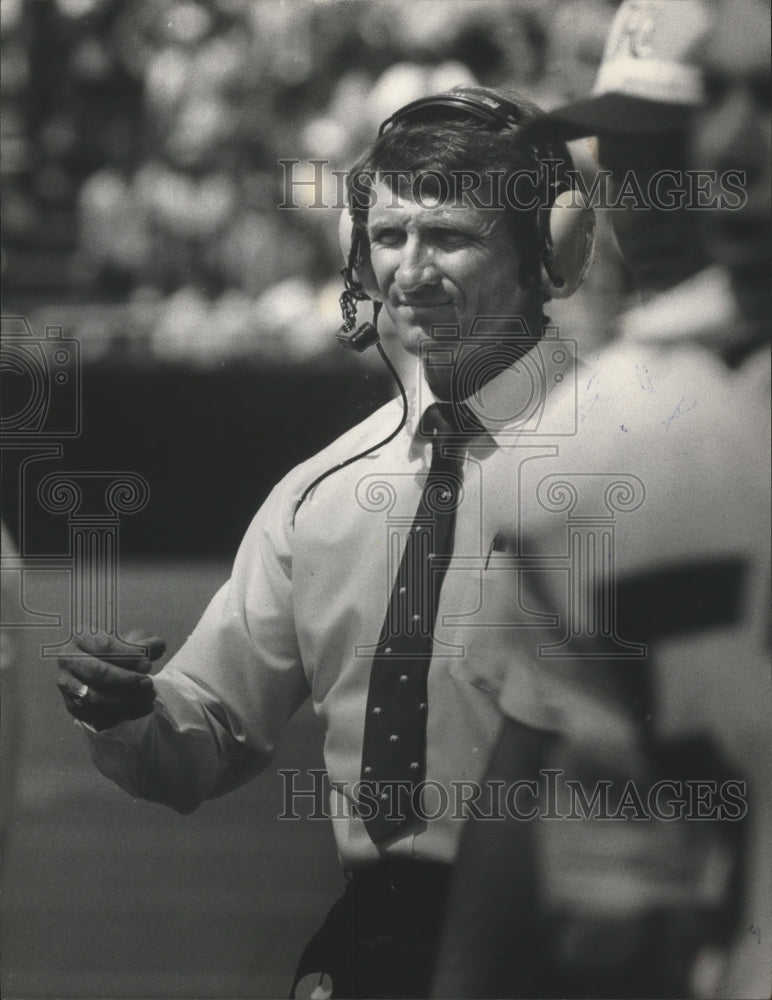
[{"x": 648, "y": 80}]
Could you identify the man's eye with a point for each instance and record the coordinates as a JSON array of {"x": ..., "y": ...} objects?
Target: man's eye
[
  {"x": 387, "y": 237},
  {"x": 450, "y": 239}
]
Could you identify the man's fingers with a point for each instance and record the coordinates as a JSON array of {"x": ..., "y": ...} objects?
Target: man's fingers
[
  {"x": 111, "y": 705},
  {"x": 154, "y": 645},
  {"x": 69, "y": 685},
  {"x": 129, "y": 664},
  {"x": 94, "y": 680},
  {"x": 136, "y": 652},
  {"x": 75, "y": 690},
  {"x": 105, "y": 677}
]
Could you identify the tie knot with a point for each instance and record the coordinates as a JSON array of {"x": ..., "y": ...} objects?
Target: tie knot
[{"x": 449, "y": 420}]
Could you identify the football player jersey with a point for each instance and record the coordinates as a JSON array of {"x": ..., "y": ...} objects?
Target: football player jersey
[{"x": 635, "y": 557}]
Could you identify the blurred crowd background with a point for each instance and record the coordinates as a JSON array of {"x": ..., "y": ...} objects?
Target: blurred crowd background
[
  {"x": 141, "y": 147},
  {"x": 142, "y": 181}
]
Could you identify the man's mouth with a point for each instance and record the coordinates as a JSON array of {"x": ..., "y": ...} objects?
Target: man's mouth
[{"x": 418, "y": 305}]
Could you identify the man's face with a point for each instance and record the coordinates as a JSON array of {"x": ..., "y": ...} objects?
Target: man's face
[
  {"x": 733, "y": 133},
  {"x": 442, "y": 265}
]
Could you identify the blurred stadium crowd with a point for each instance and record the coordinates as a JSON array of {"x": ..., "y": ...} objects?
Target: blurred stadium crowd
[{"x": 142, "y": 140}]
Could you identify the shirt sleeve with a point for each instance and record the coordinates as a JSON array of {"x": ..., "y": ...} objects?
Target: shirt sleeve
[{"x": 224, "y": 699}]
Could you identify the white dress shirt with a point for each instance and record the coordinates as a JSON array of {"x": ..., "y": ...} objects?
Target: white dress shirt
[{"x": 303, "y": 610}]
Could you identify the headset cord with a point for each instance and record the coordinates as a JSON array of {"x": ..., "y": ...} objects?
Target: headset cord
[{"x": 362, "y": 454}]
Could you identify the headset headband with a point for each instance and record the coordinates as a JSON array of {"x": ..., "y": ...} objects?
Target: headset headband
[
  {"x": 483, "y": 107},
  {"x": 565, "y": 223}
]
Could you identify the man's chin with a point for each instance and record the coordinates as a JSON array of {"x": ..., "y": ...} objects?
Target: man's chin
[
  {"x": 418, "y": 341},
  {"x": 413, "y": 337}
]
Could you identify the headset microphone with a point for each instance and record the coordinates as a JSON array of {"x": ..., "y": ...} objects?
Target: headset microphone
[
  {"x": 366, "y": 334},
  {"x": 363, "y": 337}
]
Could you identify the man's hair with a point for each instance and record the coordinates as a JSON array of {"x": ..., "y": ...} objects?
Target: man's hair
[{"x": 447, "y": 143}]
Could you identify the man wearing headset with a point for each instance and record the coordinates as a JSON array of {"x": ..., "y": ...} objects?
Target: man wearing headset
[
  {"x": 356, "y": 580},
  {"x": 666, "y": 895}
]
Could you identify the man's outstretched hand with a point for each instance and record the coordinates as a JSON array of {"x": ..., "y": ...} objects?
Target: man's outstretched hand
[{"x": 106, "y": 679}]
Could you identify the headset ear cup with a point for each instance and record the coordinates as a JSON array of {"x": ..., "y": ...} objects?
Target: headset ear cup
[
  {"x": 569, "y": 243},
  {"x": 362, "y": 272}
]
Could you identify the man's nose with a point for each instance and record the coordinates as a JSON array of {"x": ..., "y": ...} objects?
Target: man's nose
[{"x": 416, "y": 265}]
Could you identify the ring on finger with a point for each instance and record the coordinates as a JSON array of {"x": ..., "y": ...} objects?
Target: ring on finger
[{"x": 80, "y": 696}]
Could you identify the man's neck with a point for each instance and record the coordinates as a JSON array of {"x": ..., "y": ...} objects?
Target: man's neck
[{"x": 495, "y": 344}]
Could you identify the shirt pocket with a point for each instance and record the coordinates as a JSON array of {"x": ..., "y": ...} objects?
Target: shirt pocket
[{"x": 487, "y": 632}]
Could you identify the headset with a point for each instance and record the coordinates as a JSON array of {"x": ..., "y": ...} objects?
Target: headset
[
  {"x": 565, "y": 223},
  {"x": 565, "y": 230}
]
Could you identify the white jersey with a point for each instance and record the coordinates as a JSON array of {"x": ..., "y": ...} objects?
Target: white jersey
[{"x": 646, "y": 539}]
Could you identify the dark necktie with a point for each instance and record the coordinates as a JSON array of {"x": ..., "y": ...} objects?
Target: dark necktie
[{"x": 394, "y": 746}]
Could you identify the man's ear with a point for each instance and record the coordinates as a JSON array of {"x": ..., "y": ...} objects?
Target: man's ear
[{"x": 360, "y": 266}]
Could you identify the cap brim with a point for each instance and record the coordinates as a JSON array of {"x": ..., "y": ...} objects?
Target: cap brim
[{"x": 612, "y": 113}]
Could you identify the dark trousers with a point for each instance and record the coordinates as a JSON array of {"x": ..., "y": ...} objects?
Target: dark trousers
[{"x": 380, "y": 939}]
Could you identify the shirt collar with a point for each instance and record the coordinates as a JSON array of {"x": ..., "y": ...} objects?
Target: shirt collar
[{"x": 498, "y": 405}]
